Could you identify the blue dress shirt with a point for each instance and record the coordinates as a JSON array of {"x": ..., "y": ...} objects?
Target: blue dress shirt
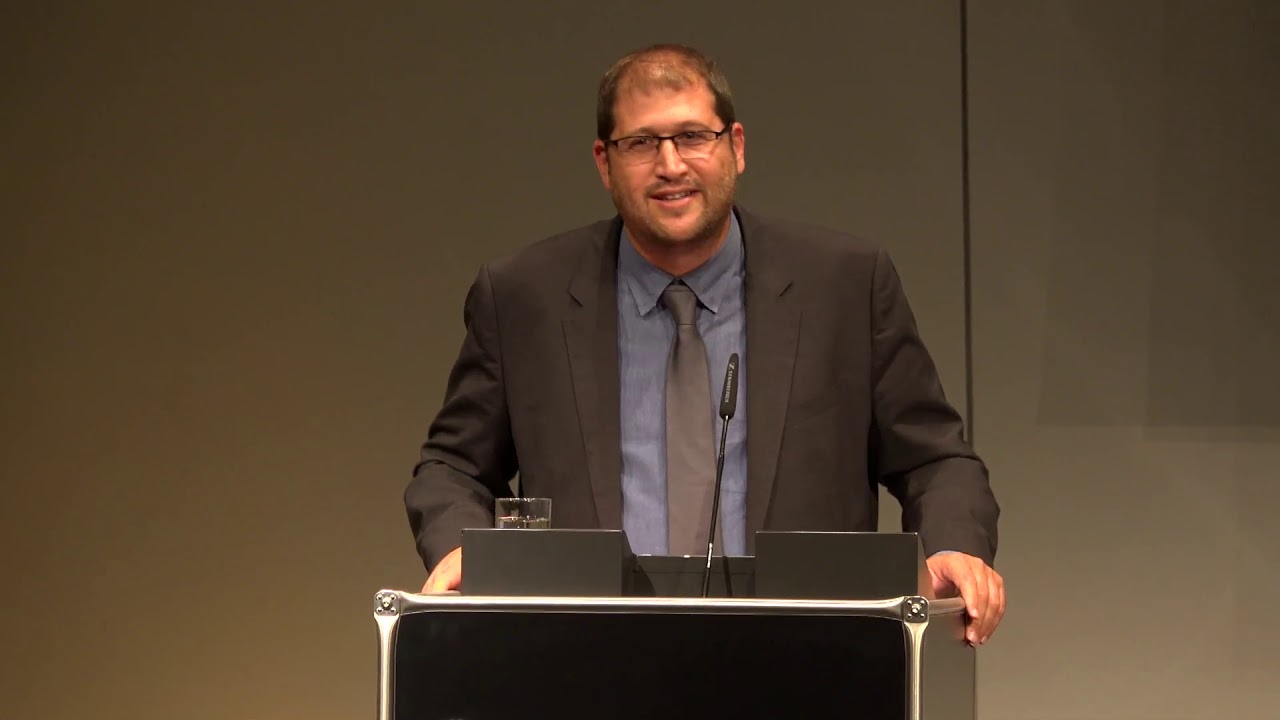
[{"x": 645, "y": 334}]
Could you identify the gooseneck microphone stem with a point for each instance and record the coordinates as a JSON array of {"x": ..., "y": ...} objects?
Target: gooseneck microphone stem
[
  {"x": 715, "y": 509},
  {"x": 728, "y": 405}
]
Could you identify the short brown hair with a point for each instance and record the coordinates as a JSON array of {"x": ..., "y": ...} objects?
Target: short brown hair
[{"x": 673, "y": 67}]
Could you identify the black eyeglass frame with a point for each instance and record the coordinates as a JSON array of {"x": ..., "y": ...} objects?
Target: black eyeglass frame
[{"x": 714, "y": 136}]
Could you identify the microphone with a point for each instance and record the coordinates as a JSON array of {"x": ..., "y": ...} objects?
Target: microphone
[{"x": 728, "y": 404}]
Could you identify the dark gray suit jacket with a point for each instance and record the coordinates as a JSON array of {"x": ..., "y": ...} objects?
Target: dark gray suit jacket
[{"x": 843, "y": 396}]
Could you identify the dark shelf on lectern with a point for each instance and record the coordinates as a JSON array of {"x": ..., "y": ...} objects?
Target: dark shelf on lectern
[
  {"x": 819, "y": 565},
  {"x": 545, "y": 563},
  {"x": 838, "y": 566},
  {"x": 671, "y": 576}
]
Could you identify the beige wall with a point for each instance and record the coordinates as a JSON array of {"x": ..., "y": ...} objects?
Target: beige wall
[
  {"x": 235, "y": 244},
  {"x": 1126, "y": 180}
]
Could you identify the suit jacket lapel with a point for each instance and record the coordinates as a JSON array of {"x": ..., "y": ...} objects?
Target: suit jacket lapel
[
  {"x": 773, "y": 329},
  {"x": 591, "y": 338}
]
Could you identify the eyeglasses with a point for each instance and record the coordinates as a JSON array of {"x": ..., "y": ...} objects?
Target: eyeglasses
[{"x": 690, "y": 145}]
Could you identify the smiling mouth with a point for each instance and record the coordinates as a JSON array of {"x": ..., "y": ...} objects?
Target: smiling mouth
[{"x": 668, "y": 197}]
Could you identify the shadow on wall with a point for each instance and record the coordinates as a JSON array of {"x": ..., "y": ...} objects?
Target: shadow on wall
[
  {"x": 1163, "y": 267},
  {"x": 1164, "y": 288}
]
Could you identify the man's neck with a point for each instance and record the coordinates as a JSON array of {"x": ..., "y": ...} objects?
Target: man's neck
[{"x": 683, "y": 258}]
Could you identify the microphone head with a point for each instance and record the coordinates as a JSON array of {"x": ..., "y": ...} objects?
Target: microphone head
[{"x": 729, "y": 396}]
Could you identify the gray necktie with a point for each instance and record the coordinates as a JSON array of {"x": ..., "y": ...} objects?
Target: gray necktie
[{"x": 691, "y": 459}]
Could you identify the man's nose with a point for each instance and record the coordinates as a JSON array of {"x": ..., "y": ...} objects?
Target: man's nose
[{"x": 669, "y": 161}]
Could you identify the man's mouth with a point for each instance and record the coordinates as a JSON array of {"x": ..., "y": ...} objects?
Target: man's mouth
[{"x": 673, "y": 196}]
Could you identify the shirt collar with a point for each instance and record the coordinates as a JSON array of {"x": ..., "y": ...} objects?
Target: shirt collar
[{"x": 710, "y": 281}]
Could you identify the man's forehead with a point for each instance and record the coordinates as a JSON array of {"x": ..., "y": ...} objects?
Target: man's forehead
[
  {"x": 662, "y": 69},
  {"x": 635, "y": 102},
  {"x": 646, "y": 78}
]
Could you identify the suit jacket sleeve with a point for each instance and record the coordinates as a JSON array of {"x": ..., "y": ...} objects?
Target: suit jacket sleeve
[
  {"x": 468, "y": 457},
  {"x": 917, "y": 442}
]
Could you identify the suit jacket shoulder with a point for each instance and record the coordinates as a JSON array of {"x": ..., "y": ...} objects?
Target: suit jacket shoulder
[
  {"x": 825, "y": 268},
  {"x": 812, "y": 242},
  {"x": 553, "y": 261}
]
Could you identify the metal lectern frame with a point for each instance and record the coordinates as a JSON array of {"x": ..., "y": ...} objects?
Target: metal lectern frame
[{"x": 913, "y": 611}]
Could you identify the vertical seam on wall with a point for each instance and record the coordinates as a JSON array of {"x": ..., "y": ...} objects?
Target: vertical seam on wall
[{"x": 964, "y": 199}]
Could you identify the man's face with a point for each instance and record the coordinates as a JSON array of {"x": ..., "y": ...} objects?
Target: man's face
[{"x": 671, "y": 200}]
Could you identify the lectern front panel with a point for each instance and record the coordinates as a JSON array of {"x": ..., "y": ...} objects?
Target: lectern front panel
[{"x": 539, "y": 664}]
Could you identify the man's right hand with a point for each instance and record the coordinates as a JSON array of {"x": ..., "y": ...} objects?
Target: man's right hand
[{"x": 447, "y": 574}]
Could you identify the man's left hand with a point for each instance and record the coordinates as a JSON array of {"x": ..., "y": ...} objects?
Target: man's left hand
[{"x": 981, "y": 588}]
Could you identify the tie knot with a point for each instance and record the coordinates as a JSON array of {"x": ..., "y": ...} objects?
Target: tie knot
[{"x": 680, "y": 302}]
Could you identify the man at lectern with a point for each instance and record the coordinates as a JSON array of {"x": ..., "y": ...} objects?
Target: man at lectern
[{"x": 592, "y": 366}]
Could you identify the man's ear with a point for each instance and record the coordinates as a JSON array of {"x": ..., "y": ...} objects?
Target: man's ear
[
  {"x": 739, "y": 136},
  {"x": 601, "y": 155}
]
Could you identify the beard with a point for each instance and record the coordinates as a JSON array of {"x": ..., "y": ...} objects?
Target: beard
[{"x": 652, "y": 226}]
